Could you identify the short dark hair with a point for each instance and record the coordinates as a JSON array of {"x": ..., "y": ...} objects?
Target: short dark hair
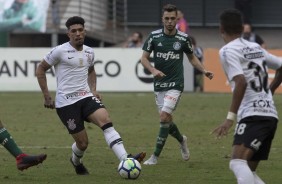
[
  {"x": 170, "y": 8},
  {"x": 74, "y": 20},
  {"x": 231, "y": 21}
]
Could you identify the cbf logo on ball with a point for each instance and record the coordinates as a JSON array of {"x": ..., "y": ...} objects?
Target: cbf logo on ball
[{"x": 142, "y": 73}]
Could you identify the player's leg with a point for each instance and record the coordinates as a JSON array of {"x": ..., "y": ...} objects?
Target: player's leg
[
  {"x": 8, "y": 142},
  {"x": 163, "y": 130},
  {"x": 97, "y": 114},
  {"x": 241, "y": 152},
  {"x": 166, "y": 102},
  {"x": 252, "y": 142},
  {"x": 78, "y": 149},
  {"x": 71, "y": 117},
  {"x": 170, "y": 104},
  {"x": 101, "y": 118},
  {"x": 253, "y": 166},
  {"x": 266, "y": 132},
  {"x": 239, "y": 166},
  {"x": 23, "y": 160}
]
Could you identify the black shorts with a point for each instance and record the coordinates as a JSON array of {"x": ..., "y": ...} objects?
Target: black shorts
[
  {"x": 74, "y": 115},
  {"x": 256, "y": 133}
]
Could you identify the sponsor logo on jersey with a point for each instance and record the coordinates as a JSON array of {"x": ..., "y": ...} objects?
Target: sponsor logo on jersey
[
  {"x": 170, "y": 98},
  {"x": 70, "y": 57},
  {"x": 160, "y": 44},
  {"x": 254, "y": 55},
  {"x": 262, "y": 103},
  {"x": 251, "y": 49},
  {"x": 71, "y": 51},
  {"x": 165, "y": 84},
  {"x": 168, "y": 55},
  {"x": 76, "y": 94},
  {"x": 176, "y": 45}
]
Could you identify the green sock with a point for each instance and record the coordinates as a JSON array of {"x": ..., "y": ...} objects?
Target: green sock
[
  {"x": 174, "y": 132},
  {"x": 163, "y": 134},
  {"x": 7, "y": 141}
]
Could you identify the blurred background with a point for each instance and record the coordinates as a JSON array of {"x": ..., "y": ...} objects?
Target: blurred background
[
  {"x": 30, "y": 28},
  {"x": 110, "y": 22}
]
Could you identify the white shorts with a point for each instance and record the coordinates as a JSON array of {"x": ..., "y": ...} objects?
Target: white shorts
[{"x": 167, "y": 100}]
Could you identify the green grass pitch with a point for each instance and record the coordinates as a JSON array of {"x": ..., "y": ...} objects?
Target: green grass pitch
[{"x": 39, "y": 130}]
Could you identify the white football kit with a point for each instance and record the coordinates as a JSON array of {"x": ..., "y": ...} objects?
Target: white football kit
[
  {"x": 71, "y": 68},
  {"x": 243, "y": 57}
]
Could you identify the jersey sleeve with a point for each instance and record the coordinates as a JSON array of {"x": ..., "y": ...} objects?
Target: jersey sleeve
[
  {"x": 272, "y": 61},
  {"x": 90, "y": 54},
  {"x": 52, "y": 57},
  {"x": 188, "y": 48},
  {"x": 148, "y": 44},
  {"x": 231, "y": 63},
  {"x": 93, "y": 59}
]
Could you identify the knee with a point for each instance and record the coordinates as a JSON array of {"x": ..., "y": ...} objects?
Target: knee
[
  {"x": 165, "y": 117},
  {"x": 82, "y": 145}
]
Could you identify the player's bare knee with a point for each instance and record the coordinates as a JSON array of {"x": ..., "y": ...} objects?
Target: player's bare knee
[
  {"x": 82, "y": 145},
  {"x": 165, "y": 117}
]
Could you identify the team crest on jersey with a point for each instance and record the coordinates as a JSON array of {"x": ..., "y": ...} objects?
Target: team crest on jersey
[
  {"x": 71, "y": 124},
  {"x": 176, "y": 45},
  {"x": 80, "y": 62}
]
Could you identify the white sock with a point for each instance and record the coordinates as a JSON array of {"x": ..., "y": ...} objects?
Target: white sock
[
  {"x": 114, "y": 140},
  {"x": 77, "y": 154},
  {"x": 242, "y": 171},
  {"x": 258, "y": 180}
]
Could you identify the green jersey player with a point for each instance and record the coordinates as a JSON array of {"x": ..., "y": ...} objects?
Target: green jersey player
[{"x": 168, "y": 45}]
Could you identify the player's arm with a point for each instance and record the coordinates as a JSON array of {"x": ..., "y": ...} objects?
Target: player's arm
[
  {"x": 237, "y": 97},
  {"x": 276, "y": 81},
  {"x": 238, "y": 92},
  {"x": 275, "y": 63},
  {"x": 92, "y": 81},
  {"x": 146, "y": 63},
  {"x": 198, "y": 65},
  {"x": 42, "y": 81}
]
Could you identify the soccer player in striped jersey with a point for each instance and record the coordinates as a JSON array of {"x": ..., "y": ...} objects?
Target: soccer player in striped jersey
[
  {"x": 252, "y": 108},
  {"x": 169, "y": 46}
]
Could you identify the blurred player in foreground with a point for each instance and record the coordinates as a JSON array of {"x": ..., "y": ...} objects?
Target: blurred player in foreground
[
  {"x": 77, "y": 99},
  {"x": 168, "y": 45},
  {"x": 23, "y": 160},
  {"x": 252, "y": 108}
]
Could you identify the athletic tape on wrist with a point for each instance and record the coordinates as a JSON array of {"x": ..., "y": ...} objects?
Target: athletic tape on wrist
[{"x": 231, "y": 116}]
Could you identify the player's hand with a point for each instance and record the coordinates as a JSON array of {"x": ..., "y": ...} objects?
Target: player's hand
[
  {"x": 209, "y": 74},
  {"x": 223, "y": 129},
  {"x": 158, "y": 74},
  {"x": 49, "y": 103},
  {"x": 97, "y": 95}
]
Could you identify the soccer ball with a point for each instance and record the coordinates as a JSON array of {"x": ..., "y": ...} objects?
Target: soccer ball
[{"x": 129, "y": 168}]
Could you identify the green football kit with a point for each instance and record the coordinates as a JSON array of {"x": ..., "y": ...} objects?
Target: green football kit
[{"x": 168, "y": 58}]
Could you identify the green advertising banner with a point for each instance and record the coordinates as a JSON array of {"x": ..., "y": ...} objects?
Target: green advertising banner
[{"x": 23, "y": 15}]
